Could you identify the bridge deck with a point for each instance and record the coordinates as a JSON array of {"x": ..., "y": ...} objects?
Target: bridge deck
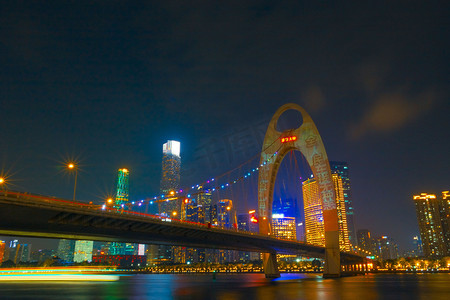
[{"x": 23, "y": 214}]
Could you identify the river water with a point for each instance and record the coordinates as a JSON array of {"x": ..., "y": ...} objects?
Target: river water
[{"x": 238, "y": 286}]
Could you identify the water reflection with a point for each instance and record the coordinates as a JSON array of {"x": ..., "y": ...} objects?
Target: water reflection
[{"x": 239, "y": 286}]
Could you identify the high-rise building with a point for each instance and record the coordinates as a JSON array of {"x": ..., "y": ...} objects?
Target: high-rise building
[
  {"x": 2, "y": 250},
  {"x": 365, "y": 241},
  {"x": 342, "y": 169},
  {"x": 417, "y": 247},
  {"x": 83, "y": 251},
  {"x": 386, "y": 248},
  {"x": 284, "y": 227},
  {"x": 170, "y": 182},
  {"x": 430, "y": 225},
  {"x": 444, "y": 209},
  {"x": 170, "y": 176},
  {"x": 314, "y": 227},
  {"x": 122, "y": 189},
  {"x": 66, "y": 250},
  {"x": 342, "y": 215}
]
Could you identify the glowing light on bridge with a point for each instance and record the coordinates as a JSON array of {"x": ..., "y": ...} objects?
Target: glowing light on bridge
[{"x": 288, "y": 139}]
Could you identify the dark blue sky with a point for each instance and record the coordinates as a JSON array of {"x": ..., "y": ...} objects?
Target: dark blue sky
[{"x": 110, "y": 82}]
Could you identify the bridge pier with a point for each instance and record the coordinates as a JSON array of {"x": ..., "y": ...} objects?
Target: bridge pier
[{"x": 270, "y": 265}]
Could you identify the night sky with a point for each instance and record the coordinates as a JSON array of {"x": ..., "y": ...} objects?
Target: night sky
[{"x": 108, "y": 82}]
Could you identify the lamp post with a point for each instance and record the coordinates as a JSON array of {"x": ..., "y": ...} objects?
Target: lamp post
[{"x": 72, "y": 166}]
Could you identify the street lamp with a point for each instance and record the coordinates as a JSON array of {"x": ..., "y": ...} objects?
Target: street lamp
[
  {"x": 72, "y": 166},
  {"x": 2, "y": 183}
]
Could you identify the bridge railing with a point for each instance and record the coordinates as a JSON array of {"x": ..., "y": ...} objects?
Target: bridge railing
[{"x": 94, "y": 207}]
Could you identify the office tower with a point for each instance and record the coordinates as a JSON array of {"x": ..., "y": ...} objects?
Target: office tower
[
  {"x": 122, "y": 189},
  {"x": 170, "y": 176},
  {"x": 342, "y": 169},
  {"x": 286, "y": 206},
  {"x": 66, "y": 250},
  {"x": 170, "y": 183},
  {"x": 24, "y": 253},
  {"x": 284, "y": 227},
  {"x": 2, "y": 250},
  {"x": 204, "y": 200},
  {"x": 386, "y": 248},
  {"x": 430, "y": 225},
  {"x": 365, "y": 241},
  {"x": 83, "y": 251},
  {"x": 314, "y": 230},
  {"x": 226, "y": 214},
  {"x": 314, "y": 227},
  {"x": 417, "y": 246},
  {"x": 444, "y": 209},
  {"x": 342, "y": 215}
]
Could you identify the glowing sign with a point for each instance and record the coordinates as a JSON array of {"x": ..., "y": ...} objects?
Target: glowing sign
[
  {"x": 253, "y": 219},
  {"x": 277, "y": 216},
  {"x": 251, "y": 211},
  {"x": 288, "y": 139}
]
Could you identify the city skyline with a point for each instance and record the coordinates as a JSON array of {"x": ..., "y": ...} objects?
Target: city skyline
[{"x": 109, "y": 91}]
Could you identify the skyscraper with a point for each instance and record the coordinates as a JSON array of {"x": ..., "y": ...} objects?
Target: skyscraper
[
  {"x": 314, "y": 230},
  {"x": 387, "y": 248},
  {"x": 428, "y": 212},
  {"x": 341, "y": 168},
  {"x": 122, "y": 190},
  {"x": 314, "y": 227},
  {"x": 83, "y": 251},
  {"x": 66, "y": 250},
  {"x": 170, "y": 182},
  {"x": 342, "y": 215},
  {"x": 365, "y": 241},
  {"x": 284, "y": 227},
  {"x": 170, "y": 176},
  {"x": 444, "y": 212}
]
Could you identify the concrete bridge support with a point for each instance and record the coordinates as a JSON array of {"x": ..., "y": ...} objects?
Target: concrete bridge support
[{"x": 270, "y": 265}]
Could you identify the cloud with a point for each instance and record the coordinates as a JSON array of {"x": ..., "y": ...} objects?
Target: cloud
[
  {"x": 392, "y": 111},
  {"x": 314, "y": 99}
]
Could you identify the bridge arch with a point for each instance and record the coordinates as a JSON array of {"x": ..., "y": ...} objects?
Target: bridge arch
[{"x": 276, "y": 145}]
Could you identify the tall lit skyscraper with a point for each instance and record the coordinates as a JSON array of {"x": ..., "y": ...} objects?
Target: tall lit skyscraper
[
  {"x": 83, "y": 251},
  {"x": 122, "y": 190},
  {"x": 341, "y": 168},
  {"x": 342, "y": 215},
  {"x": 170, "y": 176},
  {"x": 314, "y": 227},
  {"x": 430, "y": 225}
]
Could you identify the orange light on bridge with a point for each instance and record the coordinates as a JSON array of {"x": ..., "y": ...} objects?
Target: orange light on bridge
[
  {"x": 110, "y": 200},
  {"x": 288, "y": 139},
  {"x": 71, "y": 166},
  {"x": 2, "y": 180}
]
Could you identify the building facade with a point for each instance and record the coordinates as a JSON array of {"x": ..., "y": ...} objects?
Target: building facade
[
  {"x": 83, "y": 251},
  {"x": 122, "y": 187},
  {"x": 432, "y": 233},
  {"x": 170, "y": 177},
  {"x": 66, "y": 249},
  {"x": 314, "y": 227},
  {"x": 342, "y": 169}
]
